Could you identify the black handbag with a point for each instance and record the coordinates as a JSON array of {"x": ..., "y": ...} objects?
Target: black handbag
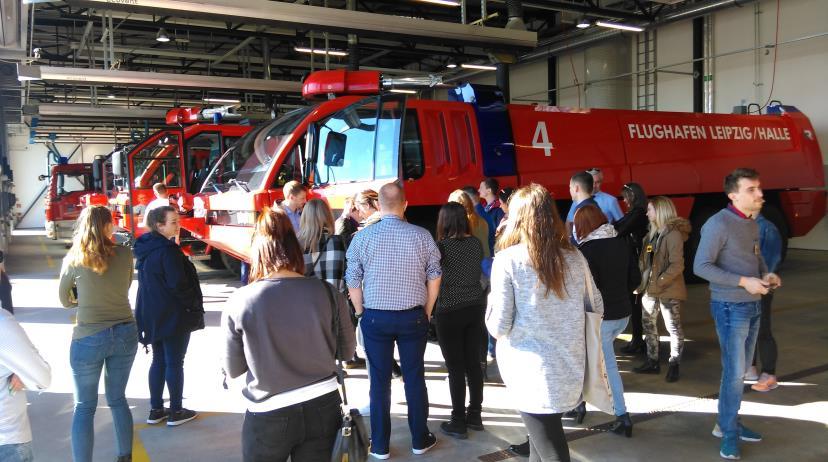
[{"x": 351, "y": 443}]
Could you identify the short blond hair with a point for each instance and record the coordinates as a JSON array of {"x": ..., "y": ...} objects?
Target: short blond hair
[
  {"x": 159, "y": 188},
  {"x": 292, "y": 188}
]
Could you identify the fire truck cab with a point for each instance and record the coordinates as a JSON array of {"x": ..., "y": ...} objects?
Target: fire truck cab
[
  {"x": 177, "y": 157},
  {"x": 366, "y": 137},
  {"x": 67, "y": 184}
]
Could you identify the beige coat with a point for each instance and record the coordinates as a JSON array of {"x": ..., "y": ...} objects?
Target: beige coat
[{"x": 662, "y": 262}]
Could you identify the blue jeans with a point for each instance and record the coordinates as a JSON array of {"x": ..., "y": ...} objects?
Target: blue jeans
[
  {"x": 409, "y": 329},
  {"x": 609, "y": 331},
  {"x": 168, "y": 366},
  {"x": 112, "y": 349},
  {"x": 21, "y": 452},
  {"x": 737, "y": 325}
]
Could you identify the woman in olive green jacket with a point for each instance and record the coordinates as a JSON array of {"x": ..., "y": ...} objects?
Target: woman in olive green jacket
[{"x": 662, "y": 283}]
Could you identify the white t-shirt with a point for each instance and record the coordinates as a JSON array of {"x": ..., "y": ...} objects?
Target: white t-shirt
[
  {"x": 18, "y": 356},
  {"x": 156, "y": 203}
]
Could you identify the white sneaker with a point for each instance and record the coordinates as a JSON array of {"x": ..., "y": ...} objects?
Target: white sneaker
[{"x": 751, "y": 374}]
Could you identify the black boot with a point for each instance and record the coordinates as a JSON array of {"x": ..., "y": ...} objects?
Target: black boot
[
  {"x": 521, "y": 449},
  {"x": 649, "y": 367},
  {"x": 622, "y": 425},
  {"x": 635, "y": 346},
  {"x": 456, "y": 428},
  {"x": 578, "y": 413},
  {"x": 473, "y": 419},
  {"x": 126, "y": 458},
  {"x": 672, "y": 372}
]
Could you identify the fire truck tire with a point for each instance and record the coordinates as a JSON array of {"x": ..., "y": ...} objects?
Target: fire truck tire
[
  {"x": 775, "y": 216},
  {"x": 233, "y": 265},
  {"x": 698, "y": 217},
  {"x": 215, "y": 261}
]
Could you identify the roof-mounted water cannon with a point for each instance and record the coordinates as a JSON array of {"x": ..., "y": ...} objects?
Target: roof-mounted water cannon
[
  {"x": 196, "y": 114},
  {"x": 342, "y": 82}
]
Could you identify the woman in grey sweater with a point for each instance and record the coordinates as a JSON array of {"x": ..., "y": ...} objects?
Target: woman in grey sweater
[
  {"x": 279, "y": 331},
  {"x": 536, "y": 312}
]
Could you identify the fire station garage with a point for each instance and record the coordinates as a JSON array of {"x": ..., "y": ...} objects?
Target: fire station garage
[{"x": 588, "y": 230}]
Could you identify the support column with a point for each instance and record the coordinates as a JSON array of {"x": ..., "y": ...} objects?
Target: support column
[
  {"x": 698, "y": 65},
  {"x": 502, "y": 79}
]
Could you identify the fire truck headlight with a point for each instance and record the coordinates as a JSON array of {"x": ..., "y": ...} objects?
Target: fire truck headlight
[{"x": 199, "y": 211}]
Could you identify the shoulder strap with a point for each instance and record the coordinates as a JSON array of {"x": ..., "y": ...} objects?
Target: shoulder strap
[
  {"x": 589, "y": 299},
  {"x": 339, "y": 371}
]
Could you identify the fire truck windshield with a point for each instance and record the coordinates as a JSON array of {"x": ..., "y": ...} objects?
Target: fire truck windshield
[
  {"x": 158, "y": 163},
  {"x": 246, "y": 164}
]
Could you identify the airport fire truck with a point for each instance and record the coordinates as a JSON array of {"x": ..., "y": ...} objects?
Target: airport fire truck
[
  {"x": 366, "y": 137},
  {"x": 67, "y": 184},
  {"x": 178, "y": 157}
]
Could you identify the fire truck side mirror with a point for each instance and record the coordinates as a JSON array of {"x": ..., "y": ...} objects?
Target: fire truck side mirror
[
  {"x": 335, "y": 149},
  {"x": 118, "y": 163},
  {"x": 41, "y": 177}
]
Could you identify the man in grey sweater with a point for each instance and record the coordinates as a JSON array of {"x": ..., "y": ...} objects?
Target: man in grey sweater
[{"x": 729, "y": 257}]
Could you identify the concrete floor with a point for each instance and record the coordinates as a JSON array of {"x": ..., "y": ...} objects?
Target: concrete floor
[{"x": 673, "y": 421}]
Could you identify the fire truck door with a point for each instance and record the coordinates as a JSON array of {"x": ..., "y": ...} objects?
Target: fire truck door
[{"x": 358, "y": 147}]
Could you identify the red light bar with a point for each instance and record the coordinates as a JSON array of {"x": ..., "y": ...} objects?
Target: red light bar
[
  {"x": 183, "y": 115},
  {"x": 341, "y": 82}
]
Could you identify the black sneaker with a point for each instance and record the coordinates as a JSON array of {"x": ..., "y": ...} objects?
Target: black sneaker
[
  {"x": 156, "y": 416},
  {"x": 430, "y": 442},
  {"x": 473, "y": 420},
  {"x": 649, "y": 367},
  {"x": 521, "y": 449},
  {"x": 181, "y": 417},
  {"x": 455, "y": 428},
  {"x": 672, "y": 372},
  {"x": 396, "y": 371}
]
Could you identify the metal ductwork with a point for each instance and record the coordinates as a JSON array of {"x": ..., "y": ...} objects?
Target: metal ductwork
[
  {"x": 322, "y": 19},
  {"x": 576, "y": 41},
  {"x": 515, "y": 11}
]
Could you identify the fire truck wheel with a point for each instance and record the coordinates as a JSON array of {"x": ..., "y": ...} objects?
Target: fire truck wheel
[
  {"x": 232, "y": 265},
  {"x": 698, "y": 218},
  {"x": 775, "y": 216}
]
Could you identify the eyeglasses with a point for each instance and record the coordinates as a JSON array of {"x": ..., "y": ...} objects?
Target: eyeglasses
[{"x": 626, "y": 186}]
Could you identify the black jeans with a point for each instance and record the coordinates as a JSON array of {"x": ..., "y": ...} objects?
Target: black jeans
[
  {"x": 168, "y": 367},
  {"x": 547, "y": 440},
  {"x": 636, "y": 326},
  {"x": 766, "y": 344},
  {"x": 458, "y": 333},
  {"x": 304, "y": 432}
]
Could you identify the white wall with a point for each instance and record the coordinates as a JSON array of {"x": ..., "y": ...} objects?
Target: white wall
[
  {"x": 28, "y": 161},
  {"x": 528, "y": 83}
]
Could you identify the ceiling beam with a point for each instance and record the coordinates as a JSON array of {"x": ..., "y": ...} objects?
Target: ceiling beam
[
  {"x": 152, "y": 79},
  {"x": 319, "y": 18}
]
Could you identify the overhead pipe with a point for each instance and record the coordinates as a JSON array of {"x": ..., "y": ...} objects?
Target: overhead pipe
[
  {"x": 515, "y": 12},
  {"x": 575, "y": 41}
]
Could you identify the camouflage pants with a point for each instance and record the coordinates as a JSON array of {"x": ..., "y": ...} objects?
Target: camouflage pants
[{"x": 670, "y": 310}]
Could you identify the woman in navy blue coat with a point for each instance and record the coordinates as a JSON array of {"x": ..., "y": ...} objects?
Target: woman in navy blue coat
[{"x": 168, "y": 308}]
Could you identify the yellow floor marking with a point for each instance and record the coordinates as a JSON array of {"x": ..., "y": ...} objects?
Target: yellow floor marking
[{"x": 139, "y": 452}]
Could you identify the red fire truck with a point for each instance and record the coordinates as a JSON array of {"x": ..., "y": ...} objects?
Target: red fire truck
[
  {"x": 67, "y": 184},
  {"x": 178, "y": 157},
  {"x": 366, "y": 137}
]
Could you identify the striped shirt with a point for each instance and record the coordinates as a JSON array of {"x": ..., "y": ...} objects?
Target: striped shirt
[{"x": 391, "y": 261}]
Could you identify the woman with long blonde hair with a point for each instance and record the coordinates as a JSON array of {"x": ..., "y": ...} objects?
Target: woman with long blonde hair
[
  {"x": 324, "y": 251},
  {"x": 95, "y": 278},
  {"x": 662, "y": 286},
  {"x": 478, "y": 226},
  {"x": 536, "y": 312}
]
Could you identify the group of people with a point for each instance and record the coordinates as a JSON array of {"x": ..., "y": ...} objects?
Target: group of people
[{"x": 506, "y": 277}]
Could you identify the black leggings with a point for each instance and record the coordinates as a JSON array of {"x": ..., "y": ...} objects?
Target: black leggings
[
  {"x": 547, "y": 440},
  {"x": 458, "y": 333},
  {"x": 765, "y": 344},
  {"x": 635, "y": 317}
]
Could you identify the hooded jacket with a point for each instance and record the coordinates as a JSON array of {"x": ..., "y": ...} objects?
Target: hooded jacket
[
  {"x": 632, "y": 227},
  {"x": 613, "y": 270},
  {"x": 169, "y": 295},
  {"x": 662, "y": 262}
]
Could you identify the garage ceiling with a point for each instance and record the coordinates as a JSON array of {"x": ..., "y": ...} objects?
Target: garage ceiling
[{"x": 234, "y": 38}]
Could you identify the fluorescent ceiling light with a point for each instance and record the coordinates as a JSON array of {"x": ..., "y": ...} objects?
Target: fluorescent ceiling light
[
  {"x": 317, "y": 51},
  {"x": 111, "y": 96},
  {"x": 451, "y": 66},
  {"x": 162, "y": 36},
  {"x": 222, "y": 100},
  {"x": 583, "y": 23},
  {"x": 481, "y": 67},
  {"x": 615, "y": 25},
  {"x": 410, "y": 92},
  {"x": 442, "y": 2}
]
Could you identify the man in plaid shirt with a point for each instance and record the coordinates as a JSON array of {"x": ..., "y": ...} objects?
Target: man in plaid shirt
[{"x": 393, "y": 277}]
